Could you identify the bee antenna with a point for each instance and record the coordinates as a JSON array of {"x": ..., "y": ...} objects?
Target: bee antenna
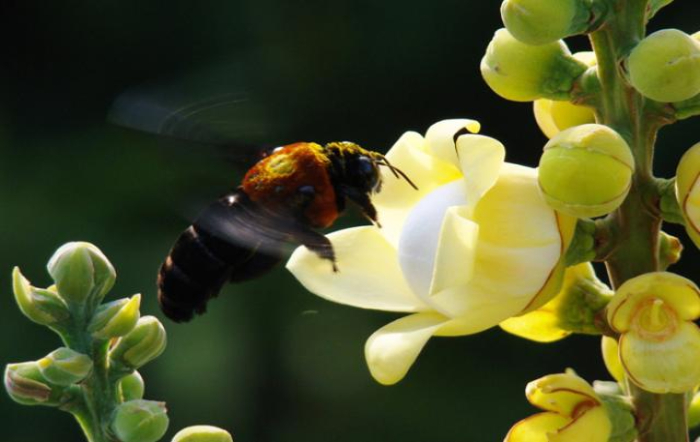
[{"x": 396, "y": 171}]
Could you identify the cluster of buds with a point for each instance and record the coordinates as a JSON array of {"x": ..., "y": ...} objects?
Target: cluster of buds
[{"x": 106, "y": 343}]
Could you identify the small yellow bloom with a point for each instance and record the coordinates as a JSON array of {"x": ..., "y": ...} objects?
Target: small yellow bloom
[
  {"x": 659, "y": 343},
  {"x": 573, "y": 309},
  {"x": 574, "y": 413},
  {"x": 611, "y": 357},
  {"x": 476, "y": 244}
]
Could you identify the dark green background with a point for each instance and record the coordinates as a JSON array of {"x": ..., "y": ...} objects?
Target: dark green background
[{"x": 270, "y": 362}]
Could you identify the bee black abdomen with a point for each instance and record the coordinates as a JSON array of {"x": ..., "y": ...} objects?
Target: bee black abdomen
[{"x": 224, "y": 244}]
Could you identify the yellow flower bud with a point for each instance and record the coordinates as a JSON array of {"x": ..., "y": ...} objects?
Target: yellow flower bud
[
  {"x": 132, "y": 386},
  {"x": 659, "y": 343},
  {"x": 115, "y": 319},
  {"x": 202, "y": 433},
  {"x": 538, "y": 22},
  {"x": 143, "y": 344},
  {"x": 81, "y": 272},
  {"x": 694, "y": 411},
  {"x": 520, "y": 72},
  {"x": 64, "y": 366},
  {"x": 665, "y": 66},
  {"x": 688, "y": 191},
  {"x": 140, "y": 421},
  {"x": 42, "y": 306},
  {"x": 586, "y": 171},
  {"x": 574, "y": 412}
]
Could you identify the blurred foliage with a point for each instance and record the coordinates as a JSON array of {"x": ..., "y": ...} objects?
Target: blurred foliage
[{"x": 269, "y": 362}]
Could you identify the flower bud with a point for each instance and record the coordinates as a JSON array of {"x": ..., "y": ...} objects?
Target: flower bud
[
  {"x": 659, "y": 342},
  {"x": 202, "y": 433},
  {"x": 586, "y": 171},
  {"x": 116, "y": 318},
  {"x": 42, "y": 306},
  {"x": 538, "y": 22},
  {"x": 143, "y": 344},
  {"x": 574, "y": 412},
  {"x": 611, "y": 358},
  {"x": 665, "y": 66},
  {"x": 694, "y": 411},
  {"x": 65, "y": 367},
  {"x": 555, "y": 116},
  {"x": 81, "y": 271},
  {"x": 688, "y": 191},
  {"x": 670, "y": 250},
  {"x": 26, "y": 385},
  {"x": 132, "y": 386},
  {"x": 520, "y": 72},
  {"x": 140, "y": 421}
]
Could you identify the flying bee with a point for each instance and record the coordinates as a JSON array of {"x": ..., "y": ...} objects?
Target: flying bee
[
  {"x": 282, "y": 199},
  {"x": 280, "y": 202}
]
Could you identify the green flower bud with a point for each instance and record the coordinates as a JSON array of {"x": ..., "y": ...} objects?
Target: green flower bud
[
  {"x": 688, "y": 191},
  {"x": 132, "y": 386},
  {"x": 202, "y": 433},
  {"x": 81, "y": 271},
  {"x": 665, "y": 66},
  {"x": 586, "y": 171},
  {"x": 65, "y": 367},
  {"x": 670, "y": 249},
  {"x": 140, "y": 421},
  {"x": 26, "y": 385},
  {"x": 42, "y": 306},
  {"x": 143, "y": 344},
  {"x": 520, "y": 72},
  {"x": 116, "y": 318},
  {"x": 538, "y": 22}
]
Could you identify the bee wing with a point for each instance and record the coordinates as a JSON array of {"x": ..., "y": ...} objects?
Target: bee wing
[{"x": 218, "y": 109}]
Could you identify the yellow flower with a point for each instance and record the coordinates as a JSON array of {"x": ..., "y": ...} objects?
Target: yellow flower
[
  {"x": 574, "y": 413},
  {"x": 688, "y": 191},
  {"x": 476, "y": 244},
  {"x": 659, "y": 343}
]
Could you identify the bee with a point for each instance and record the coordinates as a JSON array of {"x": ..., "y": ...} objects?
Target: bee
[{"x": 282, "y": 199}]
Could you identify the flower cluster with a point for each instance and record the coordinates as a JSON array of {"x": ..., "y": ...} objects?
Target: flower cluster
[{"x": 105, "y": 346}]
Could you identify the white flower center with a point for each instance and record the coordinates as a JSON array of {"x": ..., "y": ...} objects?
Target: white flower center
[{"x": 421, "y": 231}]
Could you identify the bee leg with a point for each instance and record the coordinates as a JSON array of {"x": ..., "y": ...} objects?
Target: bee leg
[
  {"x": 316, "y": 242},
  {"x": 362, "y": 199}
]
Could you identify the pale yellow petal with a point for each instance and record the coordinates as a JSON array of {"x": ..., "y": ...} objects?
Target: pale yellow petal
[
  {"x": 669, "y": 366},
  {"x": 441, "y": 137},
  {"x": 592, "y": 425},
  {"x": 539, "y": 326},
  {"x": 563, "y": 393},
  {"x": 368, "y": 272},
  {"x": 480, "y": 159},
  {"x": 393, "y": 349},
  {"x": 536, "y": 428},
  {"x": 456, "y": 251},
  {"x": 397, "y": 197},
  {"x": 611, "y": 357}
]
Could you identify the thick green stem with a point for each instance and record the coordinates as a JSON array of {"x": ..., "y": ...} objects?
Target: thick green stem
[{"x": 636, "y": 224}]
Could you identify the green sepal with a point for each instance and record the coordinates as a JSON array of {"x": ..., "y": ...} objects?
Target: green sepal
[
  {"x": 687, "y": 108},
  {"x": 132, "y": 386},
  {"x": 619, "y": 412},
  {"x": 668, "y": 201},
  {"x": 581, "y": 301},
  {"x": 583, "y": 245},
  {"x": 26, "y": 385}
]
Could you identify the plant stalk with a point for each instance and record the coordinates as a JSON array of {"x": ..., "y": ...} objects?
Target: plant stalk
[{"x": 636, "y": 224}]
